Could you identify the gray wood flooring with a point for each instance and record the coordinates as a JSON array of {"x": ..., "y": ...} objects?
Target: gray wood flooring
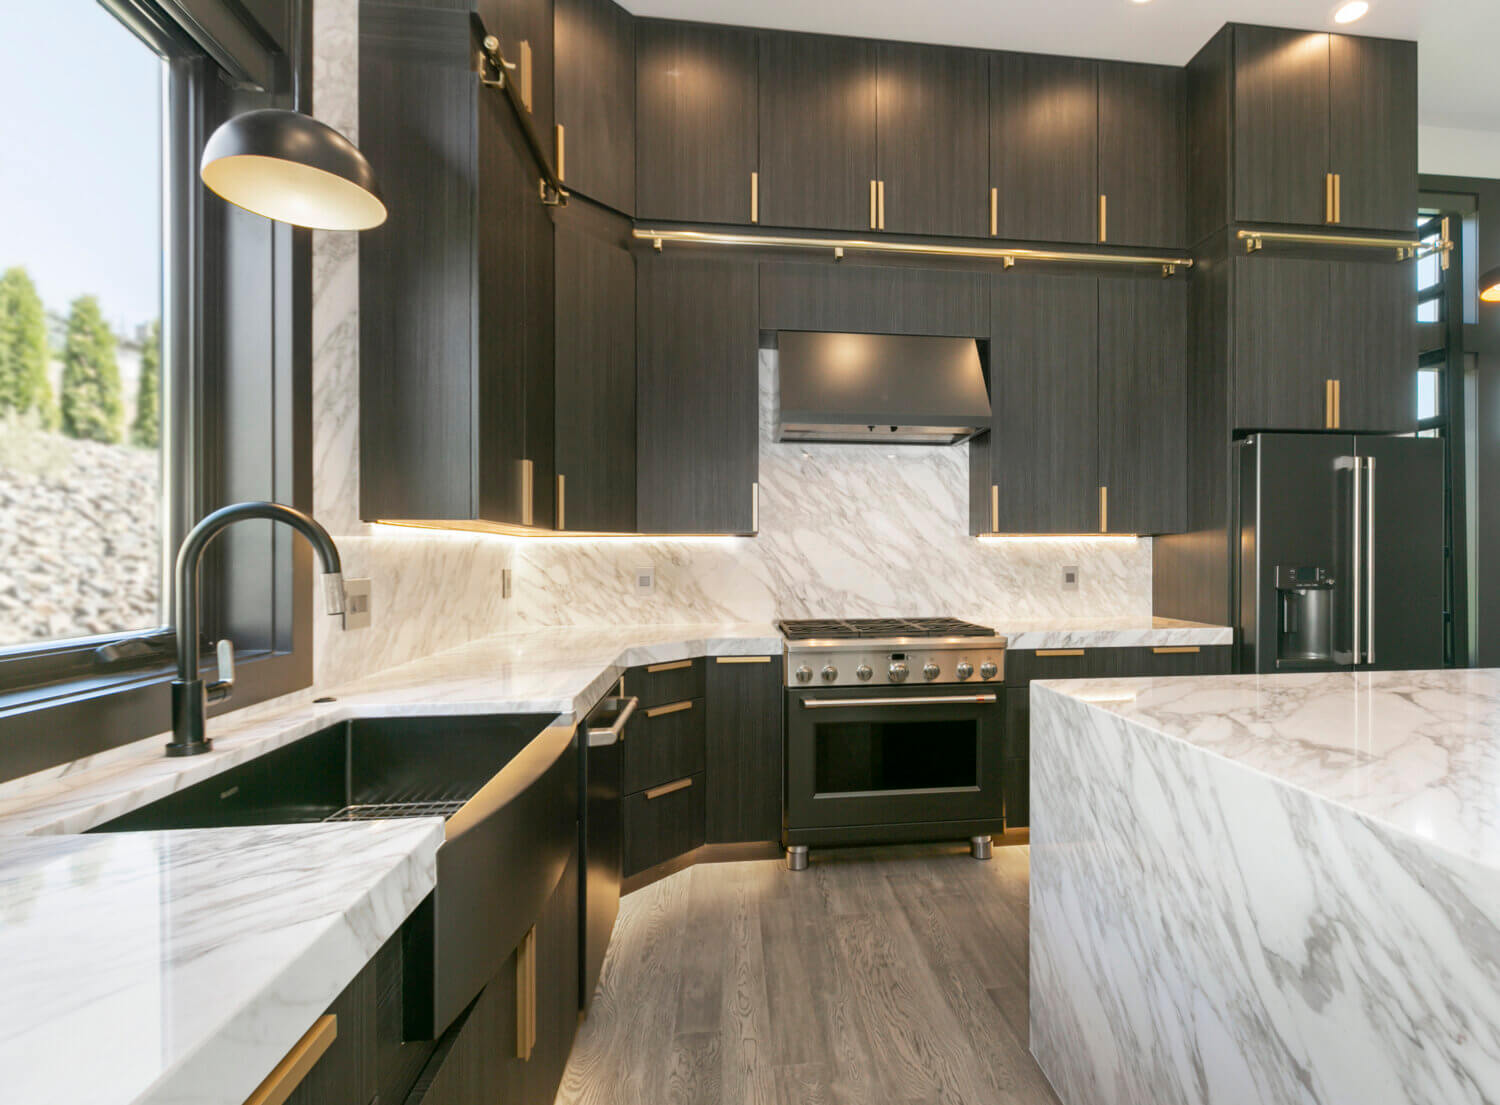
[{"x": 876, "y": 977}]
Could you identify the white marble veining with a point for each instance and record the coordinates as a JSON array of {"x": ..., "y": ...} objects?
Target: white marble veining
[
  {"x": 178, "y": 968},
  {"x": 1267, "y": 889},
  {"x": 1129, "y": 632}
]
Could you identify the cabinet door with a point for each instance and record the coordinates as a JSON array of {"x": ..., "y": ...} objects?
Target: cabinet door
[
  {"x": 556, "y": 997},
  {"x": 1371, "y": 322},
  {"x": 1282, "y": 348},
  {"x": 932, "y": 136},
  {"x": 874, "y": 299},
  {"x": 595, "y": 326},
  {"x": 1017, "y": 757},
  {"x": 697, "y": 395},
  {"x": 529, "y": 22},
  {"x": 595, "y": 96},
  {"x": 662, "y": 823},
  {"x": 1044, "y": 128},
  {"x": 696, "y": 122},
  {"x": 1142, "y": 154},
  {"x": 1143, "y": 402},
  {"x": 744, "y": 746},
  {"x": 1373, "y": 131},
  {"x": 1280, "y": 125},
  {"x": 1044, "y": 394},
  {"x": 817, "y": 131}
]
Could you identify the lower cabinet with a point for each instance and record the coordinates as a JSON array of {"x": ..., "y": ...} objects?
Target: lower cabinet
[
  {"x": 663, "y": 822},
  {"x": 744, "y": 741}
]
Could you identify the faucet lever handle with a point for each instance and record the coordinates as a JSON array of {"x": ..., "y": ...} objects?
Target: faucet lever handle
[{"x": 222, "y": 687}]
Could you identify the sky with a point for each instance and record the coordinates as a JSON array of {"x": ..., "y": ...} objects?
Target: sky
[{"x": 80, "y": 158}]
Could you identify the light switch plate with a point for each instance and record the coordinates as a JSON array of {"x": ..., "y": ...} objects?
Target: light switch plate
[
  {"x": 645, "y": 580},
  {"x": 359, "y": 604},
  {"x": 1070, "y": 577}
]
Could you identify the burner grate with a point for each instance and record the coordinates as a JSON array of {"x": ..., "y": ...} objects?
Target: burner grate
[
  {"x": 857, "y": 628},
  {"x": 382, "y": 810}
]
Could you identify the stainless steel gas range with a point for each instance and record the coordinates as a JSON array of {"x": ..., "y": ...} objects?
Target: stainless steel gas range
[{"x": 894, "y": 733}]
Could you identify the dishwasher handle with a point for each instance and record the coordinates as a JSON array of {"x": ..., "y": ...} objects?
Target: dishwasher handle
[{"x": 621, "y": 710}]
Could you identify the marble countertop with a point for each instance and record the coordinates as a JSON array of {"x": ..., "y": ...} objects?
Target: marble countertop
[
  {"x": 180, "y": 967},
  {"x": 1110, "y": 633},
  {"x": 1418, "y": 752}
]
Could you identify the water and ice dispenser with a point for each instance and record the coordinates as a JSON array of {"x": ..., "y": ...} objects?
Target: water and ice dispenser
[{"x": 1305, "y": 601}]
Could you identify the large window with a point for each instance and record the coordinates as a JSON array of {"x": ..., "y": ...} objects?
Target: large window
[{"x": 81, "y": 172}]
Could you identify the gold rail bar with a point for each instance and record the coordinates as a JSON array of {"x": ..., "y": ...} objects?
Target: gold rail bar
[{"x": 1330, "y": 240}]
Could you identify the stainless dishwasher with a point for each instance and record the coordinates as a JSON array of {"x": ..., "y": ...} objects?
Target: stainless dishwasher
[{"x": 600, "y": 846}]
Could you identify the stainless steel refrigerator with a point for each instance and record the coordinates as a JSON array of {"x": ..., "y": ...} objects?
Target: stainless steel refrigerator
[{"x": 1341, "y": 558}]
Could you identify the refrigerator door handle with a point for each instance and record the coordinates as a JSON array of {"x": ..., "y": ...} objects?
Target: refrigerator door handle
[
  {"x": 1357, "y": 591},
  {"x": 1370, "y": 560}
]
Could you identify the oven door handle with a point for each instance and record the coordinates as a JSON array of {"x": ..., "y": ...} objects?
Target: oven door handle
[{"x": 936, "y": 700}]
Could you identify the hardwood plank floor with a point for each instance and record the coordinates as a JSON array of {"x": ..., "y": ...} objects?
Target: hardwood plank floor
[{"x": 879, "y": 976}]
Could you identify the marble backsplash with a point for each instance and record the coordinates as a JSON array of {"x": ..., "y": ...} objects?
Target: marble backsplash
[{"x": 846, "y": 530}]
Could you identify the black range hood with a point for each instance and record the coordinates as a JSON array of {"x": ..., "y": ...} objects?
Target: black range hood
[{"x": 880, "y": 388}]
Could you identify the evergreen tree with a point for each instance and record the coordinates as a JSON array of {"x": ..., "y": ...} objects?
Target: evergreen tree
[
  {"x": 145, "y": 431},
  {"x": 91, "y": 403},
  {"x": 23, "y": 348}
]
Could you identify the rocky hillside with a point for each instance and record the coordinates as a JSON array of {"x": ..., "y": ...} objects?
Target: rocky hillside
[{"x": 78, "y": 537}]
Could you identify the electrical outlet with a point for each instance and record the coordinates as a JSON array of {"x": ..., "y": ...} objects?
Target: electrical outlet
[
  {"x": 359, "y": 604},
  {"x": 645, "y": 580},
  {"x": 1070, "y": 577},
  {"x": 505, "y": 583}
]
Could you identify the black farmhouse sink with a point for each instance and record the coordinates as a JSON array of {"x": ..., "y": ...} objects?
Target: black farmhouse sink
[{"x": 506, "y": 787}]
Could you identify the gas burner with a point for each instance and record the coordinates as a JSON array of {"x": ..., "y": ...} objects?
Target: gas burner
[{"x": 844, "y": 629}]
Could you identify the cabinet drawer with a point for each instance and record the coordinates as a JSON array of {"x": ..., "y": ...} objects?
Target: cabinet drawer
[
  {"x": 1174, "y": 660},
  {"x": 663, "y": 822},
  {"x": 663, "y": 743},
  {"x": 664, "y": 683},
  {"x": 1017, "y": 794},
  {"x": 1022, "y": 666}
]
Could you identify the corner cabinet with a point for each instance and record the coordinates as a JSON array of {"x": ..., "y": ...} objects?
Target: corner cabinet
[
  {"x": 744, "y": 738},
  {"x": 595, "y": 101},
  {"x": 697, "y": 394},
  {"x": 456, "y": 398}
]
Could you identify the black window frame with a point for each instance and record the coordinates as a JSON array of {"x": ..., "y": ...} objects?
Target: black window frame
[{"x": 236, "y": 410}]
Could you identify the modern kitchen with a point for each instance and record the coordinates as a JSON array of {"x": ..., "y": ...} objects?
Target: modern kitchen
[{"x": 561, "y": 552}]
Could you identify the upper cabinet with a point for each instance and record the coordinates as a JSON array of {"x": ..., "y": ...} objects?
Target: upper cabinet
[
  {"x": 1142, "y": 155},
  {"x": 931, "y": 140},
  {"x": 525, "y": 28},
  {"x": 697, "y": 126},
  {"x": 817, "y": 131},
  {"x": 1044, "y": 127},
  {"x": 595, "y": 100},
  {"x": 1303, "y": 128}
]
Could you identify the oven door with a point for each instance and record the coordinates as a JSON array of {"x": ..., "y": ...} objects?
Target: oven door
[{"x": 868, "y": 756}]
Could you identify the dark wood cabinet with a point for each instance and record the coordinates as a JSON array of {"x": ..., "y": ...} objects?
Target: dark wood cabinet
[
  {"x": 525, "y": 28},
  {"x": 1280, "y": 125},
  {"x": 595, "y": 101},
  {"x": 744, "y": 740},
  {"x": 697, "y": 395},
  {"x": 697, "y": 128},
  {"x": 1142, "y": 403},
  {"x": 456, "y": 369},
  {"x": 817, "y": 131},
  {"x": 668, "y": 681},
  {"x": 1044, "y": 147},
  {"x": 1372, "y": 130},
  {"x": 1037, "y": 469},
  {"x": 1372, "y": 330},
  {"x": 1142, "y": 154},
  {"x": 931, "y": 140},
  {"x": 1017, "y": 786},
  {"x": 874, "y": 299},
  {"x": 663, "y": 823},
  {"x": 663, "y": 743},
  {"x": 595, "y": 371}
]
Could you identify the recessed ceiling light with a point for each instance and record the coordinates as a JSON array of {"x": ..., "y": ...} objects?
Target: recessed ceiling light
[
  {"x": 1351, "y": 11},
  {"x": 1140, "y": 1}
]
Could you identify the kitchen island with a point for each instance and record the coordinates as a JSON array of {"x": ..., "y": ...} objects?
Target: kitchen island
[{"x": 1267, "y": 889}]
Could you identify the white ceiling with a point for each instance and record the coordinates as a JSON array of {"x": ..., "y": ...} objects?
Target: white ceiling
[{"x": 1458, "y": 55}]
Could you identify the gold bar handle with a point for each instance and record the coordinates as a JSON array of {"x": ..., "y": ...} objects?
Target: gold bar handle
[
  {"x": 528, "y": 493},
  {"x": 526, "y": 67},
  {"x": 742, "y": 659},
  {"x": 1103, "y": 510},
  {"x": 562, "y": 499},
  {"x": 994, "y": 212},
  {"x": 882, "y": 204},
  {"x": 994, "y": 508},
  {"x": 669, "y": 788},
  {"x": 1329, "y": 215},
  {"x": 288, "y": 1074},
  {"x": 1176, "y": 650},
  {"x": 755, "y": 197},
  {"x": 562, "y": 153},
  {"x": 671, "y": 665},
  {"x": 1338, "y": 197},
  {"x": 1327, "y": 404},
  {"x": 526, "y": 995},
  {"x": 1103, "y": 217},
  {"x": 671, "y": 708},
  {"x": 874, "y": 190},
  {"x": 755, "y": 508},
  {"x": 1059, "y": 652}
]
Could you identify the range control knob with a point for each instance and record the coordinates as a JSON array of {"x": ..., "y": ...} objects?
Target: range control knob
[
  {"x": 987, "y": 670},
  {"x": 830, "y": 673},
  {"x": 964, "y": 670},
  {"x": 804, "y": 674},
  {"x": 863, "y": 673},
  {"x": 899, "y": 672},
  {"x": 930, "y": 670}
]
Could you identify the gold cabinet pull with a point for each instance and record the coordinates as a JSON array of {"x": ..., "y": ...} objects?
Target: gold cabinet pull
[
  {"x": 669, "y": 788},
  {"x": 994, "y": 212},
  {"x": 755, "y": 508},
  {"x": 526, "y": 995},
  {"x": 1059, "y": 652},
  {"x": 1176, "y": 650},
  {"x": 1333, "y": 396},
  {"x": 874, "y": 188},
  {"x": 525, "y": 63},
  {"x": 562, "y": 153},
  {"x": 1329, "y": 214},
  {"x": 528, "y": 493},
  {"x": 670, "y": 708},
  {"x": 994, "y": 508},
  {"x": 881, "y": 203},
  {"x": 294, "y": 1067},
  {"x": 1338, "y": 197},
  {"x": 670, "y": 665},
  {"x": 1103, "y": 217},
  {"x": 755, "y": 197},
  {"x": 742, "y": 659},
  {"x": 562, "y": 499},
  {"x": 1103, "y": 510}
]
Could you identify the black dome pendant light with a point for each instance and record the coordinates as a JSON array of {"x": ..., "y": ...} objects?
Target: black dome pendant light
[
  {"x": 1489, "y": 286},
  {"x": 290, "y": 167}
]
